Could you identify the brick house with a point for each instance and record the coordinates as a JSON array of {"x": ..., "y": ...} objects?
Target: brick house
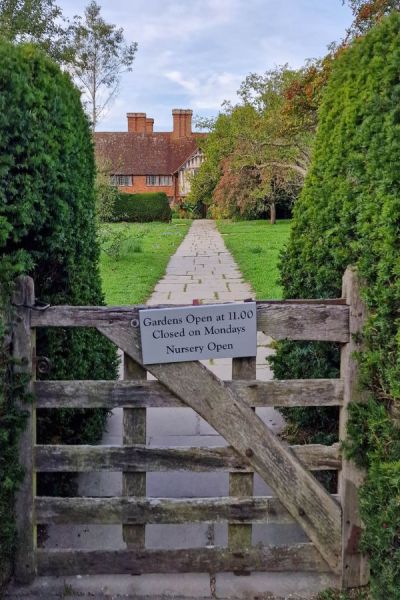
[{"x": 143, "y": 160}]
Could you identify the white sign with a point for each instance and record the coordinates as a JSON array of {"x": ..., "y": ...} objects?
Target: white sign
[{"x": 198, "y": 332}]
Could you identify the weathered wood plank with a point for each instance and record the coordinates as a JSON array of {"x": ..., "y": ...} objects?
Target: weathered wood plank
[
  {"x": 23, "y": 349},
  {"x": 325, "y": 321},
  {"x": 320, "y": 322},
  {"x": 241, "y": 484},
  {"x": 150, "y": 394},
  {"x": 297, "y": 557},
  {"x": 301, "y": 494},
  {"x": 355, "y": 570},
  {"x": 132, "y": 511},
  {"x": 141, "y": 458},
  {"x": 134, "y": 432}
]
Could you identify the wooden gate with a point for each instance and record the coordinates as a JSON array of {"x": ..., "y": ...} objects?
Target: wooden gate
[{"x": 331, "y": 522}]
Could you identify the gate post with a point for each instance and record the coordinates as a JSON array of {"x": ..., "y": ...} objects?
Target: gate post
[
  {"x": 23, "y": 351},
  {"x": 355, "y": 571}
]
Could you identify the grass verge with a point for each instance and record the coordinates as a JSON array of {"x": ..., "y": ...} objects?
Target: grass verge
[
  {"x": 256, "y": 246},
  {"x": 130, "y": 278}
]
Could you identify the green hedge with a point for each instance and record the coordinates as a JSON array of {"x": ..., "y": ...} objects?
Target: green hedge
[
  {"x": 349, "y": 213},
  {"x": 142, "y": 208},
  {"x": 47, "y": 230}
]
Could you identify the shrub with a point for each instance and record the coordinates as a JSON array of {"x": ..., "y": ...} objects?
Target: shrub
[
  {"x": 142, "y": 208},
  {"x": 106, "y": 194},
  {"x": 47, "y": 230},
  {"x": 349, "y": 213},
  {"x": 118, "y": 241}
]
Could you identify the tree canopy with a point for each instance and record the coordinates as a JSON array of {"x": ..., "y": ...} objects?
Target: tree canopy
[
  {"x": 36, "y": 21},
  {"x": 99, "y": 55},
  {"x": 367, "y": 13},
  {"x": 94, "y": 52},
  {"x": 258, "y": 151}
]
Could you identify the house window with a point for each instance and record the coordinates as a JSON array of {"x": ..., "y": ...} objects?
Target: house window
[
  {"x": 122, "y": 180},
  {"x": 151, "y": 179},
  {"x": 159, "y": 180}
]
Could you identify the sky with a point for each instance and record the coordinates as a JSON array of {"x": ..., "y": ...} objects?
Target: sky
[{"x": 195, "y": 53}]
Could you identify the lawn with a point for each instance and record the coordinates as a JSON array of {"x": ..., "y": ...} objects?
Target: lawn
[
  {"x": 130, "y": 278},
  {"x": 256, "y": 246}
]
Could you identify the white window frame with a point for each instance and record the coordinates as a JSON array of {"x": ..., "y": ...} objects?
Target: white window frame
[
  {"x": 159, "y": 180},
  {"x": 121, "y": 180}
]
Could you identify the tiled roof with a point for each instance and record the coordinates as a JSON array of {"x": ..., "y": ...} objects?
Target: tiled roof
[{"x": 143, "y": 154}]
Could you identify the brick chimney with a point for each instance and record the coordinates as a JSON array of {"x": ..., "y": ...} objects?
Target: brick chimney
[
  {"x": 137, "y": 122},
  {"x": 182, "y": 122},
  {"x": 149, "y": 125}
]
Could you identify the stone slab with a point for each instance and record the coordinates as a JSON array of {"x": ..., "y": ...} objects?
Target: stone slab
[
  {"x": 157, "y": 587},
  {"x": 185, "y": 586},
  {"x": 261, "y": 586}
]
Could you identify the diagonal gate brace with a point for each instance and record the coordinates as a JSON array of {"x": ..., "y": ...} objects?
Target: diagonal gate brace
[{"x": 299, "y": 492}]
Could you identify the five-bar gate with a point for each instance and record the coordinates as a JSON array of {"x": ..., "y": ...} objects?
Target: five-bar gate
[{"x": 331, "y": 522}]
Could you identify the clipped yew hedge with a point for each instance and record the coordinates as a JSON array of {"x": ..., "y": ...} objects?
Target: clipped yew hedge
[
  {"x": 349, "y": 213},
  {"x": 47, "y": 230},
  {"x": 142, "y": 208}
]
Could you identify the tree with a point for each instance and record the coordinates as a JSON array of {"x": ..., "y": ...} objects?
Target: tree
[
  {"x": 100, "y": 56},
  {"x": 367, "y": 13},
  {"x": 106, "y": 194},
  {"x": 234, "y": 192},
  {"x": 93, "y": 51},
  {"x": 216, "y": 147},
  {"x": 286, "y": 102},
  {"x": 261, "y": 147},
  {"x": 259, "y": 151},
  {"x": 37, "y": 21},
  {"x": 276, "y": 143}
]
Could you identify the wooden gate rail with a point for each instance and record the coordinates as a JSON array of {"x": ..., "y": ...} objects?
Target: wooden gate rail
[
  {"x": 114, "y": 511},
  {"x": 140, "y": 458},
  {"x": 251, "y": 447},
  {"x": 326, "y": 321},
  {"x": 152, "y": 394},
  {"x": 298, "y": 557}
]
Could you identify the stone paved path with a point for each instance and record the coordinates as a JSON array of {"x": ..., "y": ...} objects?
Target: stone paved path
[{"x": 201, "y": 269}]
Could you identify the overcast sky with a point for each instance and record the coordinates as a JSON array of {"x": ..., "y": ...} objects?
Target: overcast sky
[{"x": 195, "y": 53}]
